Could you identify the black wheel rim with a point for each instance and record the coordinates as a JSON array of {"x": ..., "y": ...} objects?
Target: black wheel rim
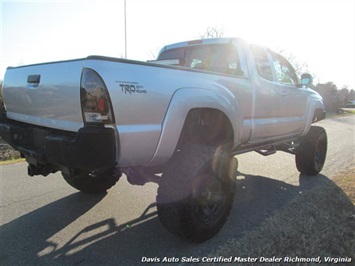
[{"x": 208, "y": 201}]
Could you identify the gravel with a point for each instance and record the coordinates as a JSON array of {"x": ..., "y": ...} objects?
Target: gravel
[{"x": 8, "y": 153}]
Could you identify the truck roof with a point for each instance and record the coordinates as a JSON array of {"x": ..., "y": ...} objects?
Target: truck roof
[{"x": 198, "y": 42}]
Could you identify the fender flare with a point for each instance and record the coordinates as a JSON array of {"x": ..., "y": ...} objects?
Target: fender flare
[
  {"x": 184, "y": 100},
  {"x": 315, "y": 106}
]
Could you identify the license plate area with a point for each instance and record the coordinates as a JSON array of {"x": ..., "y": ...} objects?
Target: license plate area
[{"x": 38, "y": 137}]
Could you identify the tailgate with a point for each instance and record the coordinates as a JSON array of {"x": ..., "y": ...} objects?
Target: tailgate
[{"x": 45, "y": 94}]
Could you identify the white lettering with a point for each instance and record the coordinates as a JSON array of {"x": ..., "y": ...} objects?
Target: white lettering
[
  {"x": 172, "y": 259},
  {"x": 248, "y": 259},
  {"x": 298, "y": 259},
  {"x": 190, "y": 259},
  {"x": 273, "y": 259},
  {"x": 337, "y": 260},
  {"x": 145, "y": 259}
]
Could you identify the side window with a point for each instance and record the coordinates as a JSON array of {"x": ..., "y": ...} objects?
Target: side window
[
  {"x": 284, "y": 71},
  {"x": 262, "y": 63}
]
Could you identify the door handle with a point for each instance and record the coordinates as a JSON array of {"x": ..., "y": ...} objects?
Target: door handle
[{"x": 33, "y": 81}]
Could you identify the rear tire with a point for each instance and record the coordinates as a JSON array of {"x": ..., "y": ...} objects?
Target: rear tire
[
  {"x": 91, "y": 182},
  {"x": 311, "y": 154},
  {"x": 196, "y": 193}
]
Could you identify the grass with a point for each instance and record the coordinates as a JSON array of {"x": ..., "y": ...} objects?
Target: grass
[
  {"x": 13, "y": 161},
  {"x": 349, "y": 110},
  {"x": 345, "y": 112},
  {"x": 346, "y": 181},
  {"x": 318, "y": 222}
]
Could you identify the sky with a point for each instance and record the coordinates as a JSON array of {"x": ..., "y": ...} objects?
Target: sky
[{"x": 319, "y": 33}]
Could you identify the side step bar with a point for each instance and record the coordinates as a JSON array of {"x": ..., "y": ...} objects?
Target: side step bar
[
  {"x": 270, "y": 148},
  {"x": 266, "y": 151}
]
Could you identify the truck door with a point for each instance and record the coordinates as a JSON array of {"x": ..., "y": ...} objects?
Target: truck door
[
  {"x": 266, "y": 100},
  {"x": 293, "y": 100}
]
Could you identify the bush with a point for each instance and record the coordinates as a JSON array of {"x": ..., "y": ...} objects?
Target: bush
[{"x": 2, "y": 108}]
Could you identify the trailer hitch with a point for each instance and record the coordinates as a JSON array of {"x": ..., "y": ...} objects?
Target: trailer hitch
[{"x": 40, "y": 169}]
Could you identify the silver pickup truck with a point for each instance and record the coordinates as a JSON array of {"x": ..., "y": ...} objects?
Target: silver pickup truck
[{"x": 178, "y": 121}]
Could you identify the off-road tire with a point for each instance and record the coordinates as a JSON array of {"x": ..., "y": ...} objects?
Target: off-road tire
[
  {"x": 311, "y": 154},
  {"x": 91, "y": 182},
  {"x": 196, "y": 193}
]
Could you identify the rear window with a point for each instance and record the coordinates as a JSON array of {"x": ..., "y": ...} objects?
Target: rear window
[
  {"x": 221, "y": 58},
  {"x": 172, "y": 54}
]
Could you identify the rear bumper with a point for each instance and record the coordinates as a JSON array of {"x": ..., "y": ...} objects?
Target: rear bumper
[{"x": 89, "y": 148}]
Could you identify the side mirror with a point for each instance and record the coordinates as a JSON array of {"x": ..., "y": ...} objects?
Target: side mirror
[{"x": 306, "y": 79}]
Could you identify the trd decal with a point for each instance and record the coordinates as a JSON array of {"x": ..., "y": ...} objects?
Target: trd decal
[{"x": 131, "y": 87}]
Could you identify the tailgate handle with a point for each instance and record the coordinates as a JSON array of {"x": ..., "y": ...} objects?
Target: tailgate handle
[{"x": 33, "y": 79}]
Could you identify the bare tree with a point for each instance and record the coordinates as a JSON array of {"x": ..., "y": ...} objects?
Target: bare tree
[
  {"x": 212, "y": 32},
  {"x": 299, "y": 66},
  {"x": 153, "y": 55}
]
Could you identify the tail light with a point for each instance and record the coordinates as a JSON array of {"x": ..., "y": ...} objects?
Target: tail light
[{"x": 95, "y": 101}]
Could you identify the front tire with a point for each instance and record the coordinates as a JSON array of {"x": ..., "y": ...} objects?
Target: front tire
[
  {"x": 91, "y": 182},
  {"x": 196, "y": 193},
  {"x": 311, "y": 154}
]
